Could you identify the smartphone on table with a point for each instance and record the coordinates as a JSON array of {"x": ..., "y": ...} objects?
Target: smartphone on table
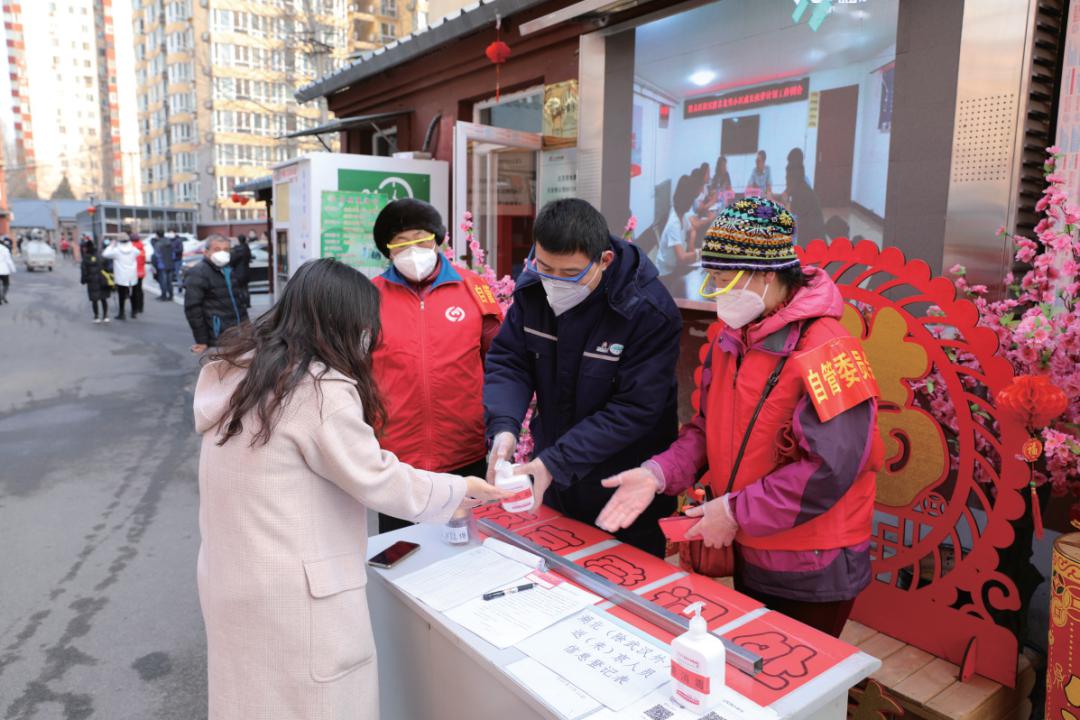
[{"x": 394, "y": 554}]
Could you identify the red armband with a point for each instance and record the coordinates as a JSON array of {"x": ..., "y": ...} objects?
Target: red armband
[{"x": 837, "y": 376}]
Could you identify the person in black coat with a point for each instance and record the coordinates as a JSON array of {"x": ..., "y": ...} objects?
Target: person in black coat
[
  {"x": 95, "y": 274},
  {"x": 213, "y": 301},
  {"x": 164, "y": 266},
  {"x": 240, "y": 260},
  {"x": 594, "y": 336}
]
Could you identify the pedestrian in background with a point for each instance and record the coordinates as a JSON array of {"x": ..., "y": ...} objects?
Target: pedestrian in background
[
  {"x": 290, "y": 463},
  {"x": 7, "y": 269},
  {"x": 212, "y": 301},
  {"x": 240, "y": 260},
  {"x": 144, "y": 254},
  {"x": 177, "y": 254},
  {"x": 95, "y": 275},
  {"x": 125, "y": 270},
  {"x": 438, "y": 321},
  {"x": 163, "y": 262}
]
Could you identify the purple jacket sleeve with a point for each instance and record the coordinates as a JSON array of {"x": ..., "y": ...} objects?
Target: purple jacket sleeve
[
  {"x": 679, "y": 464},
  {"x": 834, "y": 453}
]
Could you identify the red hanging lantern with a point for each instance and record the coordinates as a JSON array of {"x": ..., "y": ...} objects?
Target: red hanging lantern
[
  {"x": 235, "y": 197},
  {"x": 244, "y": 199},
  {"x": 91, "y": 210},
  {"x": 1034, "y": 401},
  {"x": 498, "y": 53}
]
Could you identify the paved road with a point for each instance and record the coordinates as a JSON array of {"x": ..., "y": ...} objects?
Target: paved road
[{"x": 99, "y": 616}]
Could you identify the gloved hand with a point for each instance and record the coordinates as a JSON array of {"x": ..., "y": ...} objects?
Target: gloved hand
[
  {"x": 717, "y": 527},
  {"x": 502, "y": 448},
  {"x": 635, "y": 490},
  {"x": 541, "y": 480}
]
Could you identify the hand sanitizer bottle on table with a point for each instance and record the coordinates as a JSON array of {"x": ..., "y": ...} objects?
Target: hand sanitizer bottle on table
[
  {"x": 520, "y": 485},
  {"x": 698, "y": 661}
]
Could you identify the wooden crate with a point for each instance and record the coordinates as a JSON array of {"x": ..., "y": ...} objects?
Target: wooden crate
[{"x": 929, "y": 687}]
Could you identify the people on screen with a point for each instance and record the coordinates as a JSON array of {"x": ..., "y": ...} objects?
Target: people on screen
[
  {"x": 676, "y": 244},
  {"x": 760, "y": 182}
]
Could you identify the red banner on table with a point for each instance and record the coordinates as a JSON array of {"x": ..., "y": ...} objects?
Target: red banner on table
[
  {"x": 837, "y": 376},
  {"x": 627, "y": 566},
  {"x": 793, "y": 655},
  {"x": 513, "y": 521},
  {"x": 564, "y": 536},
  {"x": 722, "y": 604}
]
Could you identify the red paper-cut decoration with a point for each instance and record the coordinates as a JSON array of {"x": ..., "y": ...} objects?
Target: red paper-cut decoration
[{"x": 937, "y": 528}]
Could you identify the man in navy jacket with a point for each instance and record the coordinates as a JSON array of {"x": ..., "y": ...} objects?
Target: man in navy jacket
[{"x": 595, "y": 336}]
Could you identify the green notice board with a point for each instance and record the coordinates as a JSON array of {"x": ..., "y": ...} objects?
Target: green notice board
[
  {"x": 347, "y": 221},
  {"x": 394, "y": 185}
]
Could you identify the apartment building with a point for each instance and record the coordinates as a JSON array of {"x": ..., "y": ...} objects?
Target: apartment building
[
  {"x": 71, "y": 112},
  {"x": 374, "y": 23},
  {"x": 215, "y": 83}
]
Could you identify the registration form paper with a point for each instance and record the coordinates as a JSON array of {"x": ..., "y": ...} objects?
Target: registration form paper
[
  {"x": 451, "y": 582},
  {"x": 508, "y": 620}
]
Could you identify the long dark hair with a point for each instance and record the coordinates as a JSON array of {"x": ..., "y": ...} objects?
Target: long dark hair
[{"x": 328, "y": 313}]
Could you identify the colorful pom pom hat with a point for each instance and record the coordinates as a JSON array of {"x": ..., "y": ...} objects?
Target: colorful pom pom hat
[{"x": 751, "y": 234}]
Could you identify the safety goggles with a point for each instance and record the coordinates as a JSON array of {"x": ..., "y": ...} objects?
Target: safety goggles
[
  {"x": 708, "y": 287},
  {"x": 531, "y": 266},
  {"x": 406, "y": 243}
]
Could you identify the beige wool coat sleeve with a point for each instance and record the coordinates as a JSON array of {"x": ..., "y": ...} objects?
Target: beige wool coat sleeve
[{"x": 281, "y": 569}]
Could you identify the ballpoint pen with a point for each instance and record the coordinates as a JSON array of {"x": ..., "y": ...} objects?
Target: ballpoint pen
[{"x": 508, "y": 591}]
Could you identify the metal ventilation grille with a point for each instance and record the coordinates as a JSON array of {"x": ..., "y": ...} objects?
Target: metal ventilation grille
[
  {"x": 1041, "y": 116},
  {"x": 985, "y": 131}
]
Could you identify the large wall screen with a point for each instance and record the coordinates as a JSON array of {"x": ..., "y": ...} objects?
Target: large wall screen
[{"x": 754, "y": 97}]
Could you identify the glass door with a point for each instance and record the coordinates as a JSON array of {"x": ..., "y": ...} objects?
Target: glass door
[{"x": 495, "y": 180}]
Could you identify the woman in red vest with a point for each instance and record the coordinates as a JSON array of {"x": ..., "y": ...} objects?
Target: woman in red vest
[
  {"x": 787, "y": 430},
  {"x": 438, "y": 320}
]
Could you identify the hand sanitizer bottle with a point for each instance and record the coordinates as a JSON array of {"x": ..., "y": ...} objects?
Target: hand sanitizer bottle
[
  {"x": 698, "y": 663},
  {"x": 520, "y": 485}
]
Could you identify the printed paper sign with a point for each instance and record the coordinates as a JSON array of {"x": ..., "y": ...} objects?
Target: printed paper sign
[
  {"x": 606, "y": 661},
  {"x": 837, "y": 376}
]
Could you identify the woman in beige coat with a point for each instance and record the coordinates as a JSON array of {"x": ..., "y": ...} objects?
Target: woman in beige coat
[{"x": 290, "y": 464}]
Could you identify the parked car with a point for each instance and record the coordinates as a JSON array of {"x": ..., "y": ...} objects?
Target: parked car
[{"x": 38, "y": 255}]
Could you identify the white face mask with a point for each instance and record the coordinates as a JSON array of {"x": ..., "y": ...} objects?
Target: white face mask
[
  {"x": 220, "y": 258},
  {"x": 563, "y": 295},
  {"x": 740, "y": 307},
  {"x": 416, "y": 263}
]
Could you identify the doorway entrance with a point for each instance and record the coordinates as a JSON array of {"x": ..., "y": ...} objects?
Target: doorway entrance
[
  {"x": 495, "y": 179},
  {"x": 835, "y": 158}
]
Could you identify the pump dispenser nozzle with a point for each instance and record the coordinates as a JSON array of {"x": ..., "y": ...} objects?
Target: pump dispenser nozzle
[{"x": 697, "y": 623}]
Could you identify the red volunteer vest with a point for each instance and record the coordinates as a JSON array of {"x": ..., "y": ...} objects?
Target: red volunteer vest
[
  {"x": 430, "y": 372},
  {"x": 733, "y": 394}
]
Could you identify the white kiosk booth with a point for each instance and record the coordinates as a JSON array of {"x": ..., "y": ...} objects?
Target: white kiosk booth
[{"x": 325, "y": 205}]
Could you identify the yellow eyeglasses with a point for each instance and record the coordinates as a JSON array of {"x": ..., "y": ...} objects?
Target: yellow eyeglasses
[
  {"x": 404, "y": 243},
  {"x": 717, "y": 293}
]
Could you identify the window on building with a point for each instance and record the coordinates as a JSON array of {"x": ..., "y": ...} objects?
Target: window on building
[
  {"x": 389, "y": 32},
  {"x": 184, "y": 162},
  {"x": 389, "y": 8}
]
